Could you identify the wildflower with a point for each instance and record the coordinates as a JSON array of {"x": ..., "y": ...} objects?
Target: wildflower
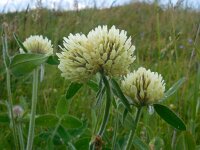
[
  {"x": 143, "y": 86},
  {"x": 17, "y": 111},
  {"x": 102, "y": 50},
  {"x": 38, "y": 44},
  {"x": 74, "y": 58},
  {"x": 112, "y": 51}
]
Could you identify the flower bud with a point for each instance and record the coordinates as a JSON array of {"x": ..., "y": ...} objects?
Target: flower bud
[{"x": 17, "y": 111}]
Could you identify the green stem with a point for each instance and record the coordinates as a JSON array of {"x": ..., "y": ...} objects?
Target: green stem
[
  {"x": 106, "y": 112},
  {"x": 11, "y": 108},
  {"x": 91, "y": 144},
  {"x": 173, "y": 139},
  {"x": 108, "y": 104},
  {"x": 115, "y": 129},
  {"x": 130, "y": 139},
  {"x": 33, "y": 110},
  {"x": 20, "y": 133}
]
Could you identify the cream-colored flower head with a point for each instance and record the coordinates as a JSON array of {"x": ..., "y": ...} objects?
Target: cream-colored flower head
[
  {"x": 112, "y": 51},
  {"x": 103, "y": 50},
  {"x": 38, "y": 44},
  {"x": 74, "y": 62},
  {"x": 143, "y": 86}
]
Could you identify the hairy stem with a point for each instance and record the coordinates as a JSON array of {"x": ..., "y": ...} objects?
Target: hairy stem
[
  {"x": 33, "y": 110},
  {"x": 115, "y": 129},
  {"x": 92, "y": 144},
  {"x": 20, "y": 134},
  {"x": 107, "y": 108},
  {"x": 10, "y": 105},
  {"x": 130, "y": 139}
]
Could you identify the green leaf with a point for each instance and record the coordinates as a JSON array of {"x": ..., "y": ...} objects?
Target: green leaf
[
  {"x": 70, "y": 122},
  {"x": 25, "y": 63},
  {"x": 118, "y": 92},
  {"x": 53, "y": 60},
  {"x": 185, "y": 141},
  {"x": 45, "y": 138},
  {"x": 47, "y": 120},
  {"x": 93, "y": 85},
  {"x": 139, "y": 144},
  {"x": 62, "y": 107},
  {"x": 174, "y": 88},
  {"x": 66, "y": 137},
  {"x": 169, "y": 116},
  {"x": 81, "y": 131},
  {"x": 4, "y": 118},
  {"x": 20, "y": 44},
  {"x": 82, "y": 143},
  {"x": 73, "y": 89},
  {"x": 42, "y": 137},
  {"x": 124, "y": 115}
]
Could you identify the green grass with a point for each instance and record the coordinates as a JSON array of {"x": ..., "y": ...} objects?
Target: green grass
[{"x": 151, "y": 28}]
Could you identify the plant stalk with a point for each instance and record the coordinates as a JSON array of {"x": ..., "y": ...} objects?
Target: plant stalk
[
  {"x": 33, "y": 110},
  {"x": 115, "y": 129},
  {"x": 173, "y": 139},
  {"x": 106, "y": 112},
  {"x": 131, "y": 136},
  {"x": 107, "y": 108},
  {"x": 20, "y": 134},
  {"x": 11, "y": 108}
]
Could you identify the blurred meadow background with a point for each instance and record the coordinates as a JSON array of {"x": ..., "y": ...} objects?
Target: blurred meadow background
[{"x": 167, "y": 41}]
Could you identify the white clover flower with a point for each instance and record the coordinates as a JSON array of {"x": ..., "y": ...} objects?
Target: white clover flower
[
  {"x": 17, "y": 111},
  {"x": 143, "y": 86},
  {"x": 38, "y": 44},
  {"x": 74, "y": 62},
  {"x": 103, "y": 50},
  {"x": 112, "y": 50}
]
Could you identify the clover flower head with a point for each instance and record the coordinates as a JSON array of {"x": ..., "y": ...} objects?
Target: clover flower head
[
  {"x": 74, "y": 58},
  {"x": 143, "y": 86},
  {"x": 17, "y": 111},
  {"x": 102, "y": 50},
  {"x": 38, "y": 44},
  {"x": 112, "y": 51}
]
